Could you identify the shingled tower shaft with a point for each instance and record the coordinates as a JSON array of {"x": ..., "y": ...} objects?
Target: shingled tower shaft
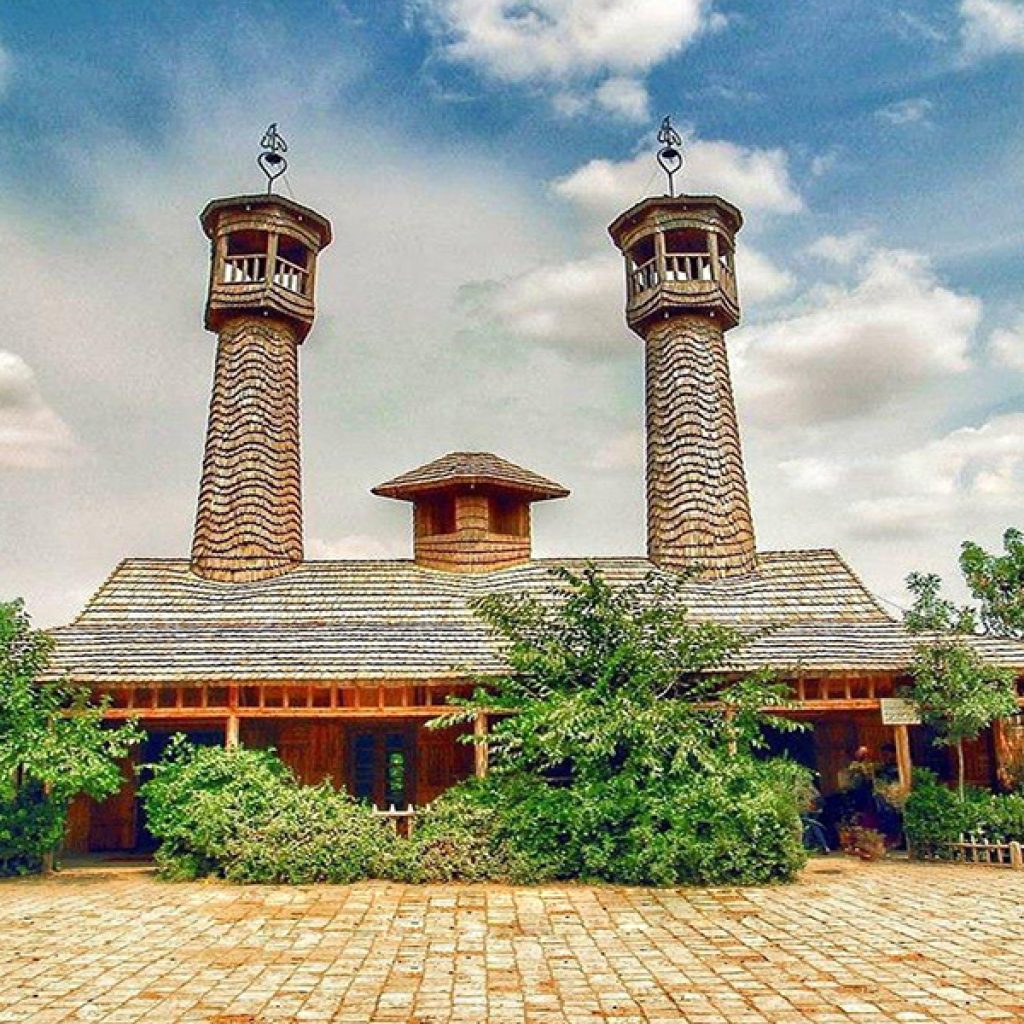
[
  {"x": 681, "y": 298},
  {"x": 249, "y": 521}
]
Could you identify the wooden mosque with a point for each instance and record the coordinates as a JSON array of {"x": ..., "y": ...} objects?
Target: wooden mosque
[{"x": 339, "y": 664}]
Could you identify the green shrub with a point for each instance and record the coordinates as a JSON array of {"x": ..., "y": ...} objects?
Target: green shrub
[
  {"x": 935, "y": 816},
  {"x": 198, "y": 798},
  {"x": 310, "y": 834},
  {"x": 740, "y": 826},
  {"x": 240, "y": 814},
  {"x": 30, "y": 827},
  {"x": 459, "y": 838}
]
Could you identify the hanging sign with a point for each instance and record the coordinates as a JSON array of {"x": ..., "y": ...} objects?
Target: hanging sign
[{"x": 899, "y": 711}]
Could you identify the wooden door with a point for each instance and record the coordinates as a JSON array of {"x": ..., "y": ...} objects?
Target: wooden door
[
  {"x": 112, "y": 822},
  {"x": 381, "y": 766}
]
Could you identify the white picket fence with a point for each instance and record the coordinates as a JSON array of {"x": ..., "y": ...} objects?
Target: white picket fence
[
  {"x": 403, "y": 821},
  {"x": 974, "y": 850}
]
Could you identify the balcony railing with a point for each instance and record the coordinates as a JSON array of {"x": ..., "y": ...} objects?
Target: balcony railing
[
  {"x": 291, "y": 276},
  {"x": 249, "y": 269},
  {"x": 681, "y": 266},
  {"x": 252, "y": 269}
]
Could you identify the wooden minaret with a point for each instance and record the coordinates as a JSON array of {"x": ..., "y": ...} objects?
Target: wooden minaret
[
  {"x": 681, "y": 298},
  {"x": 260, "y": 304}
]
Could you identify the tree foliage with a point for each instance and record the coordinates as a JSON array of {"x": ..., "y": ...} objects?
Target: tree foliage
[
  {"x": 623, "y": 701},
  {"x": 997, "y": 583},
  {"x": 241, "y": 814},
  {"x": 956, "y": 690},
  {"x": 53, "y": 744},
  {"x": 616, "y": 679}
]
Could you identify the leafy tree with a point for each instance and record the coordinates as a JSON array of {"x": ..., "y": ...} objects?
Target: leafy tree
[
  {"x": 997, "y": 583},
  {"x": 957, "y": 691},
  {"x": 616, "y": 679},
  {"x": 53, "y": 744},
  {"x": 931, "y": 612},
  {"x": 615, "y": 693}
]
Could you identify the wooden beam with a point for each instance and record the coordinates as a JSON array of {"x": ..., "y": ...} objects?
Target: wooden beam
[
  {"x": 214, "y": 714},
  {"x": 903, "y": 761},
  {"x": 231, "y": 732},
  {"x": 481, "y": 755}
]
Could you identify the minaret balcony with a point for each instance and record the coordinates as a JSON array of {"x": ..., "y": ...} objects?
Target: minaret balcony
[
  {"x": 252, "y": 269},
  {"x": 681, "y": 280},
  {"x": 242, "y": 284}
]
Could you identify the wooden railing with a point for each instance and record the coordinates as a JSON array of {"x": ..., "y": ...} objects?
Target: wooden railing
[
  {"x": 679, "y": 266},
  {"x": 644, "y": 277},
  {"x": 291, "y": 276},
  {"x": 252, "y": 269},
  {"x": 248, "y": 269},
  {"x": 403, "y": 822},
  {"x": 695, "y": 266},
  {"x": 974, "y": 850}
]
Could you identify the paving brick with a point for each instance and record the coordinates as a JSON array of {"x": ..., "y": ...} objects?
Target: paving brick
[{"x": 890, "y": 942}]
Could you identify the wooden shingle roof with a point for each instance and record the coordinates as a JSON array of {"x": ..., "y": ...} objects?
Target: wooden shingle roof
[
  {"x": 471, "y": 469},
  {"x": 155, "y": 621}
]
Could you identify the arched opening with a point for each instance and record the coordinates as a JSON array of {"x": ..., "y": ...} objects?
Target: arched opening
[
  {"x": 688, "y": 256},
  {"x": 642, "y": 267},
  {"x": 245, "y": 257},
  {"x": 291, "y": 269}
]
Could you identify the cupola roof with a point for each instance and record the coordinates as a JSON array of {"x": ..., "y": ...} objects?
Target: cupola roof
[{"x": 471, "y": 469}]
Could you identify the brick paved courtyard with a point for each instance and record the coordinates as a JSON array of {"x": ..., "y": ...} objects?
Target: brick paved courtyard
[{"x": 850, "y": 942}]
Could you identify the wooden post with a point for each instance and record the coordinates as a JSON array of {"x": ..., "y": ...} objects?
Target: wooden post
[
  {"x": 660, "y": 255},
  {"x": 47, "y": 858},
  {"x": 903, "y": 762},
  {"x": 716, "y": 267},
  {"x": 1002, "y": 754},
  {"x": 231, "y": 732},
  {"x": 480, "y": 752}
]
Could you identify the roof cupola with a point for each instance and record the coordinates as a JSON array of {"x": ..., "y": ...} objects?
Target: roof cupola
[{"x": 471, "y": 510}]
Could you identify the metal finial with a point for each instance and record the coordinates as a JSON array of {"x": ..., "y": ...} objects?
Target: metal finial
[
  {"x": 271, "y": 161},
  {"x": 670, "y": 157}
]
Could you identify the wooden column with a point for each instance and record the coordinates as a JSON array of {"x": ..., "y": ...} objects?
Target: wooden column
[
  {"x": 716, "y": 267},
  {"x": 231, "y": 732},
  {"x": 660, "y": 255},
  {"x": 903, "y": 762},
  {"x": 481, "y": 756}
]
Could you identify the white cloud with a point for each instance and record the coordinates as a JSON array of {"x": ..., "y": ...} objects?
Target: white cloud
[
  {"x": 963, "y": 475},
  {"x": 841, "y": 249},
  {"x": 575, "y": 305},
  {"x": 811, "y": 473},
  {"x": 559, "y": 43},
  {"x": 1006, "y": 346},
  {"x": 357, "y": 545},
  {"x": 759, "y": 278},
  {"x": 32, "y": 435},
  {"x": 824, "y": 163},
  {"x": 991, "y": 27},
  {"x": 849, "y": 351},
  {"x": 914, "y": 27},
  {"x": 625, "y": 97},
  {"x": 756, "y": 180},
  {"x": 908, "y": 111}
]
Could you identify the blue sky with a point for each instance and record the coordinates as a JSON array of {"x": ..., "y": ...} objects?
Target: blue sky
[{"x": 469, "y": 153}]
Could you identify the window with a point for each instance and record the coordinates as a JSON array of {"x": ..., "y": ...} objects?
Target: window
[
  {"x": 435, "y": 515},
  {"x": 508, "y": 515}
]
